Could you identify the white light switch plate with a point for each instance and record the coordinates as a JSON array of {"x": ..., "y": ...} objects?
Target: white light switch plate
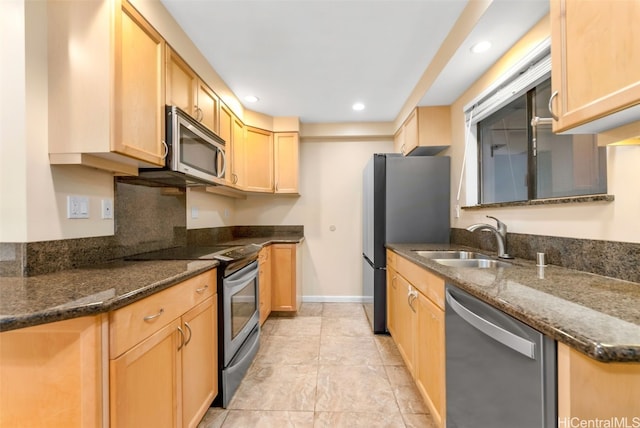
[
  {"x": 77, "y": 206},
  {"x": 107, "y": 209}
]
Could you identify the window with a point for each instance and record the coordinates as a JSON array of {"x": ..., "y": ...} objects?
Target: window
[{"x": 520, "y": 162}]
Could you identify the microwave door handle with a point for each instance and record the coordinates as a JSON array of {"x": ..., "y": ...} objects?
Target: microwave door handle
[{"x": 224, "y": 164}]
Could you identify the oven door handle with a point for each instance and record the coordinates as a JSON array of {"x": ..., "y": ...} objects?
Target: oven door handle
[
  {"x": 508, "y": 339},
  {"x": 233, "y": 283}
]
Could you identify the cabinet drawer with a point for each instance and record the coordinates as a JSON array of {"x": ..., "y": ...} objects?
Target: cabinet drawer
[
  {"x": 432, "y": 286},
  {"x": 135, "y": 322}
]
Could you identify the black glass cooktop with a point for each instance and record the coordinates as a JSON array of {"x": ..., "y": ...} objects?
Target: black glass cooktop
[
  {"x": 182, "y": 253},
  {"x": 216, "y": 252}
]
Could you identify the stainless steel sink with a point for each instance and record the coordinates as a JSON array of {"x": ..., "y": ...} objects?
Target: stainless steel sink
[
  {"x": 450, "y": 254},
  {"x": 473, "y": 263}
]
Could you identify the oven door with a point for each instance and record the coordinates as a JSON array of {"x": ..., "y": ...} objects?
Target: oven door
[{"x": 240, "y": 306}]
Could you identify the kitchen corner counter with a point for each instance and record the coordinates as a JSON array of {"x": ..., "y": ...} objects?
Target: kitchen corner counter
[
  {"x": 597, "y": 315},
  {"x": 72, "y": 293},
  {"x": 28, "y": 301}
]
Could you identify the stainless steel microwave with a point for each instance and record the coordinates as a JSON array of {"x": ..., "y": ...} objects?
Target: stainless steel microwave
[{"x": 192, "y": 149}]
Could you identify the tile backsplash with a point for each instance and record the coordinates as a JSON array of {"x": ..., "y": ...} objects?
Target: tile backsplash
[{"x": 609, "y": 258}]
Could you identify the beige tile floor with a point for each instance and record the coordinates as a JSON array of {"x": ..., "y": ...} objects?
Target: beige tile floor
[{"x": 324, "y": 368}]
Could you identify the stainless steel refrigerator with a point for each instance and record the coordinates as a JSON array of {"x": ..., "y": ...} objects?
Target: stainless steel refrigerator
[{"x": 405, "y": 200}]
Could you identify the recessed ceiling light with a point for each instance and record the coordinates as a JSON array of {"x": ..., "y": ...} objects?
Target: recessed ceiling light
[
  {"x": 480, "y": 47},
  {"x": 251, "y": 99},
  {"x": 358, "y": 106}
]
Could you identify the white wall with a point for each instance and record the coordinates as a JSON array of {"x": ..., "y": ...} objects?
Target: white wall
[
  {"x": 615, "y": 221},
  {"x": 331, "y": 195},
  {"x": 33, "y": 194}
]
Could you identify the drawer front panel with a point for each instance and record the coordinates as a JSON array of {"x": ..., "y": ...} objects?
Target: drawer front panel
[{"x": 133, "y": 323}]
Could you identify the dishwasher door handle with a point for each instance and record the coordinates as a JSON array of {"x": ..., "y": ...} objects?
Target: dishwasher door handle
[{"x": 508, "y": 339}]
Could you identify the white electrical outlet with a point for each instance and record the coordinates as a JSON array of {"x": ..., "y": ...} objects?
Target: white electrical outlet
[
  {"x": 77, "y": 206},
  {"x": 226, "y": 213},
  {"x": 107, "y": 209},
  {"x": 457, "y": 211},
  {"x": 194, "y": 212}
]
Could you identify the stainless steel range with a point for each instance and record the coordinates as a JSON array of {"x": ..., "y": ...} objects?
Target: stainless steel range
[{"x": 238, "y": 316}]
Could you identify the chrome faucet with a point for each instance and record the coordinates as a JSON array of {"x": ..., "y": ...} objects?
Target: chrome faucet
[{"x": 500, "y": 233}]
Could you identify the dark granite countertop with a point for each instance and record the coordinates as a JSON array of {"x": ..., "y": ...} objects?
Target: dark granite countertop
[
  {"x": 33, "y": 300},
  {"x": 597, "y": 315}
]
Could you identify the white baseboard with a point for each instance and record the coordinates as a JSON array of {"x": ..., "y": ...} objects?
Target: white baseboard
[{"x": 333, "y": 299}]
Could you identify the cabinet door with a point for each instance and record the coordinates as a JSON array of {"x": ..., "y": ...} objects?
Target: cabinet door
[
  {"x": 590, "y": 390},
  {"x": 430, "y": 354},
  {"x": 398, "y": 141},
  {"x": 258, "y": 160},
  {"x": 595, "y": 60},
  {"x": 139, "y": 111},
  {"x": 207, "y": 107},
  {"x": 283, "y": 277},
  {"x": 264, "y": 282},
  {"x": 51, "y": 375},
  {"x": 238, "y": 154},
  {"x": 182, "y": 84},
  {"x": 392, "y": 296},
  {"x": 199, "y": 361},
  {"x": 286, "y": 162},
  {"x": 410, "y": 133},
  {"x": 225, "y": 131},
  {"x": 145, "y": 388},
  {"x": 405, "y": 322}
]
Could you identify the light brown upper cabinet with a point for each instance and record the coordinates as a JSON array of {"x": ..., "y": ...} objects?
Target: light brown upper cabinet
[
  {"x": 595, "y": 62},
  {"x": 188, "y": 92},
  {"x": 426, "y": 131},
  {"x": 286, "y": 160},
  {"x": 106, "y": 86},
  {"x": 258, "y": 160},
  {"x": 238, "y": 137}
]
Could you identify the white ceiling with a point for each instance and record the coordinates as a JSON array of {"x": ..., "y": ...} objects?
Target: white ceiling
[{"x": 315, "y": 58}]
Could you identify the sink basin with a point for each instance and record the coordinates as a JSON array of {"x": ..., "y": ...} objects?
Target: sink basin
[
  {"x": 450, "y": 254},
  {"x": 473, "y": 263}
]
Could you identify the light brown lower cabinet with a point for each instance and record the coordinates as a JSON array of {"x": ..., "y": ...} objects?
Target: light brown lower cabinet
[
  {"x": 286, "y": 277},
  {"x": 264, "y": 283},
  {"x": 430, "y": 356},
  {"x": 589, "y": 390},
  {"x": 144, "y": 381},
  {"x": 51, "y": 375},
  {"x": 415, "y": 319},
  {"x": 168, "y": 377},
  {"x": 199, "y": 361}
]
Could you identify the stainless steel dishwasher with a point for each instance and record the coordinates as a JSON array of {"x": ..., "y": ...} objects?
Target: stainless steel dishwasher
[{"x": 500, "y": 372}]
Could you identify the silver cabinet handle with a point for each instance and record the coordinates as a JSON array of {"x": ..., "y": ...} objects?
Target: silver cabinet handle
[
  {"x": 508, "y": 339},
  {"x": 165, "y": 149},
  {"x": 154, "y": 316},
  {"x": 411, "y": 297},
  {"x": 224, "y": 164},
  {"x": 202, "y": 289},
  {"x": 553, "y": 115},
  {"x": 186, "y": 324},
  {"x": 181, "y": 338}
]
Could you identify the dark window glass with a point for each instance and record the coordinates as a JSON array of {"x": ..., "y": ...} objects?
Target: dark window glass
[{"x": 519, "y": 163}]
